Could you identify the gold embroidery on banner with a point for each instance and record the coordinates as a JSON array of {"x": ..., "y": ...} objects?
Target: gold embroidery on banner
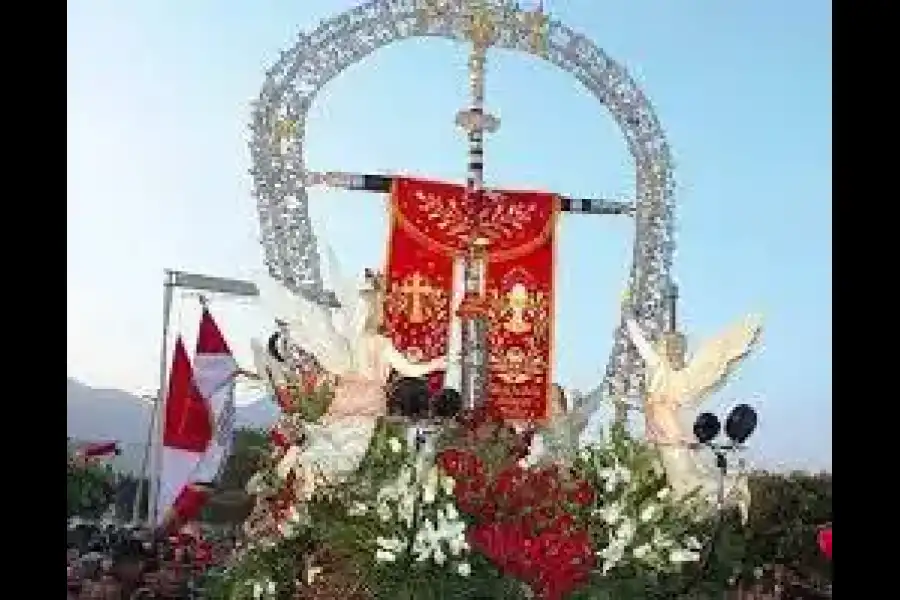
[
  {"x": 518, "y": 300},
  {"x": 418, "y": 308},
  {"x": 519, "y": 335},
  {"x": 418, "y": 297},
  {"x": 502, "y": 222}
]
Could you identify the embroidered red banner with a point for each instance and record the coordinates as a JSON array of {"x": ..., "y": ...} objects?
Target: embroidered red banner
[
  {"x": 520, "y": 278},
  {"x": 431, "y": 222},
  {"x": 419, "y": 275}
]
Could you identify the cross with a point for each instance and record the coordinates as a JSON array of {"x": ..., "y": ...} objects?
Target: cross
[
  {"x": 416, "y": 289},
  {"x": 479, "y": 18},
  {"x": 284, "y": 128}
]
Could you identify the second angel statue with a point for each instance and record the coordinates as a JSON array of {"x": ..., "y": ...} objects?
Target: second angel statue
[{"x": 348, "y": 344}]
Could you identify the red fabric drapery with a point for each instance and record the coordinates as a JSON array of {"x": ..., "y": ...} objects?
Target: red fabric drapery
[
  {"x": 431, "y": 224},
  {"x": 519, "y": 290},
  {"x": 419, "y": 276}
]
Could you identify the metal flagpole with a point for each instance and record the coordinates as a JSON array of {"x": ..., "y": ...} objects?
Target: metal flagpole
[
  {"x": 156, "y": 424},
  {"x": 175, "y": 279},
  {"x": 145, "y": 463}
]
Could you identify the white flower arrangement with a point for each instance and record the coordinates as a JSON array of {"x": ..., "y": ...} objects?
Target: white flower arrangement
[
  {"x": 419, "y": 521},
  {"x": 635, "y": 520},
  {"x": 263, "y": 590}
]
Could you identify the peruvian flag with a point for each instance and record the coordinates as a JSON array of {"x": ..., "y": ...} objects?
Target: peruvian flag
[
  {"x": 99, "y": 450},
  {"x": 94, "y": 451},
  {"x": 187, "y": 431},
  {"x": 210, "y": 385},
  {"x": 214, "y": 372}
]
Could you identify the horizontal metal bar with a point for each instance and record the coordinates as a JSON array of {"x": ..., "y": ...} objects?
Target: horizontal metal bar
[
  {"x": 218, "y": 285},
  {"x": 382, "y": 184}
]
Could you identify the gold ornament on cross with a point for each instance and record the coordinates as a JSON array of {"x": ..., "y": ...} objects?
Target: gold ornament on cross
[
  {"x": 431, "y": 9},
  {"x": 536, "y": 22},
  {"x": 284, "y": 129},
  {"x": 481, "y": 29}
]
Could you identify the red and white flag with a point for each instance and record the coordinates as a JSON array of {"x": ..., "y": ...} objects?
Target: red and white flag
[
  {"x": 188, "y": 430},
  {"x": 200, "y": 410},
  {"x": 99, "y": 449},
  {"x": 94, "y": 451},
  {"x": 214, "y": 372}
]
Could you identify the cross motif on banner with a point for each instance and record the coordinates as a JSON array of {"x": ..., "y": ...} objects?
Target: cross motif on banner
[{"x": 417, "y": 291}]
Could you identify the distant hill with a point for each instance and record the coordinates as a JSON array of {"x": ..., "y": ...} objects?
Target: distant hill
[{"x": 109, "y": 414}]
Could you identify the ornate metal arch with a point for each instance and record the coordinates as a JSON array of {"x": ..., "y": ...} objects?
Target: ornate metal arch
[{"x": 280, "y": 176}]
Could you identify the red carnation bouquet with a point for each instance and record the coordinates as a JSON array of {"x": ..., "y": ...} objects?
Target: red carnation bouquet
[{"x": 521, "y": 517}]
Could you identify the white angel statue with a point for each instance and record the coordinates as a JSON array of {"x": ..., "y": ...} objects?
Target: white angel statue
[
  {"x": 348, "y": 344},
  {"x": 675, "y": 386}
]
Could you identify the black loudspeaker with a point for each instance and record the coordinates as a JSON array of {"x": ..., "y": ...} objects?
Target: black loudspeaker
[
  {"x": 706, "y": 427},
  {"x": 741, "y": 423}
]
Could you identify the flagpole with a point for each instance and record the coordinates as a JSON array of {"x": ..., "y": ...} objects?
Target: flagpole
[
  {"x": 176, "y": 279},
  {"x": 156, "y": 421},
  {"x": 143, "y": 473}
]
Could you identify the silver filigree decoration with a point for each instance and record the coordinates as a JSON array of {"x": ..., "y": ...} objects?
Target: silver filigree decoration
[{"x": 279, "y": 121}]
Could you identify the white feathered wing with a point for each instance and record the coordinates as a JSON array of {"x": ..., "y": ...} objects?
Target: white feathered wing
[{"x": 329, "y": 334}]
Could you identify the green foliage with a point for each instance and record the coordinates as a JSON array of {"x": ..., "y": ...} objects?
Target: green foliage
[
  {"x": 785, "y": 516},
  {"x": 249, "y": 449},
  {"x": 89, "y": 489},
  {"x": 126, "y": 489},
  {"x": 272, "y": 570},
  {"x": 231, "y": 504},
  {"x": 308, "y": 397},
  {"x": 650, "y": 543}
]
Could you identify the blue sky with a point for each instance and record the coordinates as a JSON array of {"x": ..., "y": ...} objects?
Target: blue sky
[{"x": 158, "y": 97}]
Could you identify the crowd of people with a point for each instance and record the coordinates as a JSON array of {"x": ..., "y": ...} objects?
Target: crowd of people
[{"x": 110, "y": 562}]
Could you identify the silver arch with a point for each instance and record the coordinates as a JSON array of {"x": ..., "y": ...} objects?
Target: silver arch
[{"x": 280, "y": 176}]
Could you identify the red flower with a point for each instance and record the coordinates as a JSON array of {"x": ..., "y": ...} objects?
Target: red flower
[
  {"x": 487, "y": 511},
  {"x": 284, "y": 398},
  {"x": 825, "y": 541},
  {"x": 309, "y": 382},
  {"x": 279, "y": 439},
  {"x": 540, "y": 519},
  {"x": 551, "y": 563},
  {"x": 563, "y": 523},
  {"x": 470, "y": 494},
  {"x": 583, "y": 494},
  {"x": 508, "y": 480},
  {"x": 460, "y": 464},
  {"x": 521, "y": 523}
]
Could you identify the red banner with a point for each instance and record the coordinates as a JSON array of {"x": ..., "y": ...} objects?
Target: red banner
[
  {"x": 431, "y": 222},
  {"x": 520, "y": 277},
  {"x": 419, "y": 275}
]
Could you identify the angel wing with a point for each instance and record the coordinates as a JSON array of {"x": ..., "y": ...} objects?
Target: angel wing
[
  {"x": 562, "y": 435},
  {"x": 583, "y": 407},
  {"x": 310, "y": 325},
  {"x": 714, "y": 361},
  {"x": 644, "y": 347},
  {"x": 346, "y": 318},
  {"x": 267, "y": 368}
]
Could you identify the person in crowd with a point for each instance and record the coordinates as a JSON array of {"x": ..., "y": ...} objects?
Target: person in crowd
[{"x": 128, "y": 565}]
